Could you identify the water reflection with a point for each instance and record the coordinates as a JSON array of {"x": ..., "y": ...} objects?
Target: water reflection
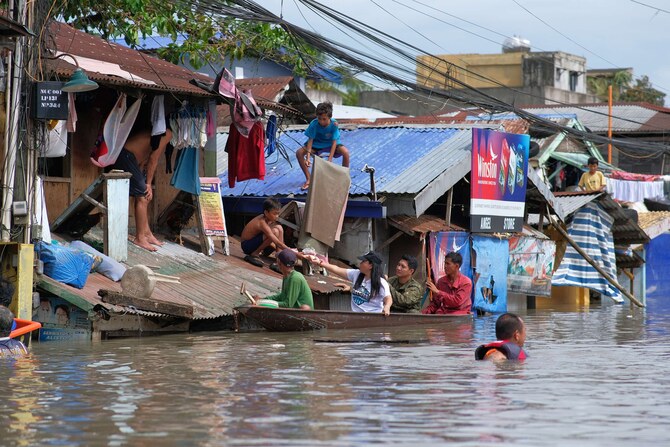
[{"x": 593, "y": 378}]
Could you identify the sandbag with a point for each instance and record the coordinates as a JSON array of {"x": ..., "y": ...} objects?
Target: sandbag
[
  {"x": 65, "y": 264},
  {"x": 109, "y": 267}
]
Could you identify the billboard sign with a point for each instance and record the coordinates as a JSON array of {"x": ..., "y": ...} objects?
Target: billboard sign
[{"x": 498, "y": 181}]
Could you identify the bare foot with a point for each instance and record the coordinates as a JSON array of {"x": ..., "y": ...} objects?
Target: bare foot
[
  {"x": 145, "y": 245},
  {"x": 305, "y": 185},
  {"x": 152, "y": 240}
]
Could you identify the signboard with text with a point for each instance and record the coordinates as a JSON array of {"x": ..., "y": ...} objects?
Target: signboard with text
[
  {"x": 211, "y": 219},
  {"x": 49, "y": 101},
  {"x": 498, "y": 181}
]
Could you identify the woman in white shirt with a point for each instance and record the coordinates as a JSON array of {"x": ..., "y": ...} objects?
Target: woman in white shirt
[{"x": 369, "y": 291}]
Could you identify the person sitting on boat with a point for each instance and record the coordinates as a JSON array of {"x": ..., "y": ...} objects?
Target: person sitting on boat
[
  {"x": 452, "y": 292},
  {"x": 593, "y": 180},
  {"x": 263, "y": 233},
  {"x": 8, "y": 346},
  {"x": 511, "y": 335},
  {"x": 295, "y": 293},
  {"x": 369, "y": 290},
  {"x": 405, "y": 290}
]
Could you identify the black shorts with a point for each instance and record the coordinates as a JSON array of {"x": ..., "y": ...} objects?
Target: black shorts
[{"x": 128, "y": 163}]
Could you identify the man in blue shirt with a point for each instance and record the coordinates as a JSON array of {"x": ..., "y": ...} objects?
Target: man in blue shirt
[{"x": 323, "y": 135}]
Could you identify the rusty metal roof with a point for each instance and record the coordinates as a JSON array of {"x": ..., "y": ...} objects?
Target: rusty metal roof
[
  {"x": 654, "y": 223},
  {"x": 423, "y": 224},
  {"x": 210, "y": 284},
  {"x": 280, "y": 94},
  {"x": 103, "y": 61}
]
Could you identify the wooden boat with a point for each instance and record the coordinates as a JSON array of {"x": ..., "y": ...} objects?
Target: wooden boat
[
  {"x": 23, "y": 327},
  {"x": 289, "y": 320}
]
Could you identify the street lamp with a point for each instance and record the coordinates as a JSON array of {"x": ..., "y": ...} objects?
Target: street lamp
[{"x": 78, "y": 82}]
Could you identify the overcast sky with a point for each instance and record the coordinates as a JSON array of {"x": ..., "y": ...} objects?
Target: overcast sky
[{"x": 608, "y": 33}]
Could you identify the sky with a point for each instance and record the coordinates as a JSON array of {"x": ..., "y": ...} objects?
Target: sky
[{"x": 608, "y": 33}]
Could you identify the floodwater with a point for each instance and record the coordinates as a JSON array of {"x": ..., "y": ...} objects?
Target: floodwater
[{"x": 594, "y": 378}]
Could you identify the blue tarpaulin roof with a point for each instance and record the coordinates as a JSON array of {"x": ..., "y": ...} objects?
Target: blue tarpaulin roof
[{"x": 407, "y": 160}]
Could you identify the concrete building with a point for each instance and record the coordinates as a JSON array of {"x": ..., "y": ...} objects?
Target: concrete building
[{"x": 515, "y": 77}]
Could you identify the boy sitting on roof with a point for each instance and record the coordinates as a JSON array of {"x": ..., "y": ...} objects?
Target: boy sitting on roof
[
  {"x": 323, "y": 135},
  {"x": 263, "y": 234}
]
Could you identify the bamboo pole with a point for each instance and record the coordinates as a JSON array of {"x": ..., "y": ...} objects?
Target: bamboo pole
[{"x": 594, "y": 264}]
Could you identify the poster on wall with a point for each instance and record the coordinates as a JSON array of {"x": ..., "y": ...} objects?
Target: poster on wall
[
  {"x": 490, "y": 281},
  {"x": 531, "y": 265},
  {"x": 444, "y": 242},
  {"x": 61, "y": 320},
  {"x": 439, "y": 244},
  {"x": 498, "y": 181}
]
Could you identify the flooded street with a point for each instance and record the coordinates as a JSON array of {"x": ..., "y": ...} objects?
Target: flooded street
[{"x": 597, "y": 378}]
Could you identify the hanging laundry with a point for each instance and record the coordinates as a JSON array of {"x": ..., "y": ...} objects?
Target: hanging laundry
[
  {"x": 186, "y": 175},
  {"x": 271, "y": 132},
  {"x": 245, "y": 155},
  {"x": 56, "y": 141},
  {"x": 211, "y": 120},
  {"x": 158, "y": 115},
  {"x": 243, "y": 108},
  {"x": 115, "y": 132}
]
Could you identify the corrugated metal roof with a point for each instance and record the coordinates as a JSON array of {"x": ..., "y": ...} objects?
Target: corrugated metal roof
[
  {"x": 654, "y": 223},
  {"x": 572, "y": 201},
  {"x": 625, "y": 117},
  {"x": 406, "y": 160},
  {"x": 151, "y": 73},
  {"x": 625, "y": 230},
  {"x": 422, "y": 224},
  {"x": 210, "y": 284}
]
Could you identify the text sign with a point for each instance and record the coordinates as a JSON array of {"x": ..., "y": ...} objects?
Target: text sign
[
  {"x": 498, "y": 181},
  {"x": 50, "y": 102}
]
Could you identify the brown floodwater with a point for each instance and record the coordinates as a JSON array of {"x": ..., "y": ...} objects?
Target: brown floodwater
[{"x": 594, "y": 378}]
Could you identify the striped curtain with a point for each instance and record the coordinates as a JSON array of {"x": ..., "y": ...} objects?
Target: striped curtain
[{"x": 591, "y": 229}]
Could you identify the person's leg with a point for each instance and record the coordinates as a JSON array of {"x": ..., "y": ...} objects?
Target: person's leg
[
  {"x": 266, "y": 243},
  {"x": 278, "y": 231},
  {"x": 302, "y": 161},
  {"x": 344, "y": 152},
  {"x": 143, "y": 234}
]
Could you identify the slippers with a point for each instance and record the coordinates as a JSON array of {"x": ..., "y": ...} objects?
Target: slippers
[
  {"x": 253, "y": 260},
  {"x": 305, "y": 185},
  {"x": 275, "y": 268}
]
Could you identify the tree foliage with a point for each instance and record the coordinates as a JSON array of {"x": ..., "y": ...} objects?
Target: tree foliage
[
  {"x": 196, "y": 37},
  {"x": 623, "y": 88},
  {"x": 643, "y": 91}
]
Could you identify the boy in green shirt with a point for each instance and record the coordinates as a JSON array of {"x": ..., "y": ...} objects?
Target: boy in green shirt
[{"x": 295, "y": 292}]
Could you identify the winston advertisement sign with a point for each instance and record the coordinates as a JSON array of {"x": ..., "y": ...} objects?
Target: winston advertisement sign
[{"x": 498, "y": 181}]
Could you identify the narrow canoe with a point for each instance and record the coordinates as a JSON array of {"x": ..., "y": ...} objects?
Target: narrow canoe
[
  {"x": 289, "y": 320},
  {"x": 23, "y": 327}
]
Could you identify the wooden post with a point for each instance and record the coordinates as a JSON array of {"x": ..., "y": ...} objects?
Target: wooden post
[
  {"x": 450, "y": 199},
  {"x": 116, "y": 200}
]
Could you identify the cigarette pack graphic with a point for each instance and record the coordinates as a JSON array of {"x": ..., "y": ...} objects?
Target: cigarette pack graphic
[
  {"x": 511, "y": 174},
  {"x": 519, "y": 167},
  {"x": 504, "y": 164}
]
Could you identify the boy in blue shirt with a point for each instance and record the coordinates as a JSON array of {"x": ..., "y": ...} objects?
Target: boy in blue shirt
[{"x": 323, "y": 135}]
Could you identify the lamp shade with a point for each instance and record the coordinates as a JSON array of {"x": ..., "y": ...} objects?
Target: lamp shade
[{"x": 79, "y": 82}]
